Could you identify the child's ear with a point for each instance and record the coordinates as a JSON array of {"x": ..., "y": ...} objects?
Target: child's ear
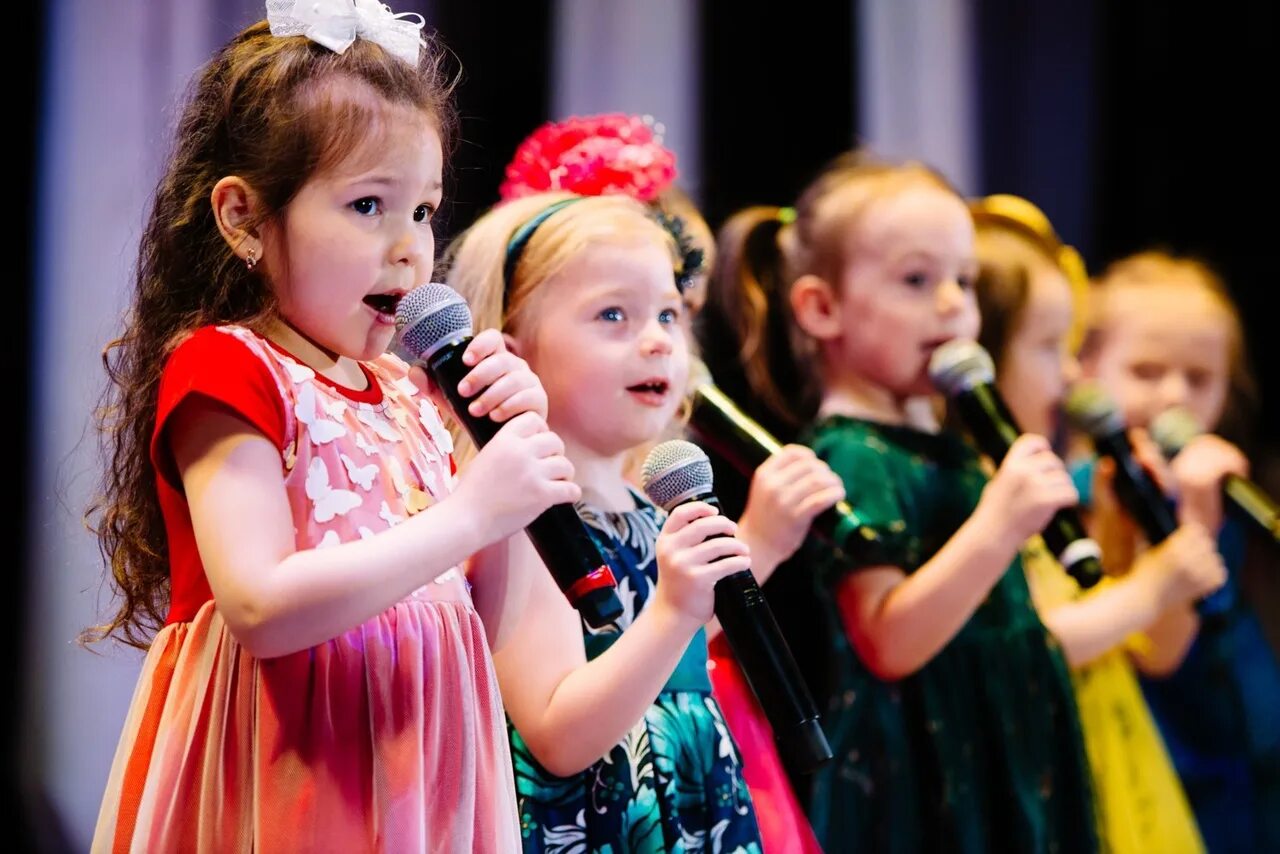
[
  {"x": 235, "y": 206},
  {"x": 513, "y": 346},
  {"x": 816, "y": 307}
]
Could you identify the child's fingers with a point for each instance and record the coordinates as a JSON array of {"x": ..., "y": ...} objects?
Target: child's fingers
[
  {"x": 532, "y": 399},
  {"x": 816, "y": 503},
  {"x": 488, "y": 342},
  {"x": 810, "y": 484},
  {"x": 681, "y": 517},
  {"x": 545, "y": 444},
  {"x": 705, "y": 528},
  {"x": 725, "y": 567},
  {"x": 489, "y": 371},
  {"x": 524, "y": 425},
  {"x": 790, "y": 456},
  {"x": 714, "y": 549},
  {"x": 501, "y": 390},
  {"x": 1026, "y": 445},
  {"x": 813, "y": 479},
  {"x": 565, "y": 492},
  {"x": 557, "y": 468}
]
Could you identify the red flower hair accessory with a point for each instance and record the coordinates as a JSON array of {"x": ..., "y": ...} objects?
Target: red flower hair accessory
[{"x": 592, "y": 156}]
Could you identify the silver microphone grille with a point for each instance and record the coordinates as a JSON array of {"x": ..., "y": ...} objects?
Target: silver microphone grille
[
  {"x": 429, "y": 317},
  {"x": 959, "y": 365},
  {"x": 676, "y": 471},
  {"x": 1091, "y": 409},
  {"x": 1173, "y": 429}
]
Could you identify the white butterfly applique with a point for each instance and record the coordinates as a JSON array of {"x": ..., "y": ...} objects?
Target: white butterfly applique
[
  {"x": 387, "y": 516},
  {"x": 329, "y": 540},
  {"x": 365, "y": 445},
  {"x": 406, "y": 386},
  {"x": 397, "y": 476},
  {"x": 321, "y": 430},
  {"x": 360, "y": 475},
  {"x": 380, "y": 425},
  {"x": 329, "y": 502},
  {"x": 435, "y": 428},
  {"x": 365, "y": 533},
  {"x": 333, "y": 408},
  {"x": 299, "y": 373}
]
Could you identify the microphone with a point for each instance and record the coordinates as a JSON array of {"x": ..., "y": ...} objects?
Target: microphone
[
  {"x": 1174, "y": 428},
  {"x": 1093, "y": 412},
  {"x": 964, "y": 372},
  {"x": 677, "y": 472},
  {"x": 433, "y": 329},
  {"x": 720, "y": 425}
]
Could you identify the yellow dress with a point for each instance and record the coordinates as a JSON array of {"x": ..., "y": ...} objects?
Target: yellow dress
[{"x": 1141, "y": 805}]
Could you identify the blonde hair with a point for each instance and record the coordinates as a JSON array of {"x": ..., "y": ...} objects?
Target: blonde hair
[
  {"x": 476, "y": 260},
  {"x": 1157, "y": 268},
  {"x": 762, "y": 250}
]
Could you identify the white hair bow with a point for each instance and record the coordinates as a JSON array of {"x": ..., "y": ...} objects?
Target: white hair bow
[{"x": 337, "y": 23}]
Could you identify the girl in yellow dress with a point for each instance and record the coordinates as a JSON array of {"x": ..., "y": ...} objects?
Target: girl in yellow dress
[{"x": 1030, "y": 290}]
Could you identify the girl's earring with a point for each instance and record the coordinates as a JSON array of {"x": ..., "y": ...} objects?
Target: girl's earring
[{"x": 251, "y": 260}]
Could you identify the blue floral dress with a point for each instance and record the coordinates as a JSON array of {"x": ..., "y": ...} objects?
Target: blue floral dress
[{"x": 674, "y": 782}]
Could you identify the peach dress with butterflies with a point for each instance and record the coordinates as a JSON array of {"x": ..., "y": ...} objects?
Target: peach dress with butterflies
[{"x": 390, "y": 736}]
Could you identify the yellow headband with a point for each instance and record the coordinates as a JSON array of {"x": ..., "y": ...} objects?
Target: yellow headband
[{"x": 1022, "y": 216}]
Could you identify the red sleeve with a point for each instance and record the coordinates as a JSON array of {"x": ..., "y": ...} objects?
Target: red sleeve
[{"x": 220, "y": 368}]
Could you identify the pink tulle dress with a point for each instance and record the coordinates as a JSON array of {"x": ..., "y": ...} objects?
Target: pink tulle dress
[{"x": 390, "y": 736}]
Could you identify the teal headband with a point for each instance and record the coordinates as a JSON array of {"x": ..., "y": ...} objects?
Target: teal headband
[{"x": 520, "y": 239}]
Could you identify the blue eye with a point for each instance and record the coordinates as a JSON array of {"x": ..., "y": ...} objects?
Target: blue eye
[
  {"x": 668, "y": 316},
  {"x": 368, "y": 206},
  {"x": 612, "y": 314},
  {"x": 423, "y": 213}
]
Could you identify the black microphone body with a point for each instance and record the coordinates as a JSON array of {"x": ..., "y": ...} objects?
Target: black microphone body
[
  {"x": 994, "y": 430},
  {"x": 1094, "y": 412},
  {"x": 1146, "y": 504},
  {"x": 1137, "y": 492},
  {"x": 751, "y": 630},
  {"x": 558, "y": 533},
  {"x": 720, "y": 425}
]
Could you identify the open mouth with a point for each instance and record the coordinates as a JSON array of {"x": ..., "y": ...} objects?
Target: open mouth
[
  {"x": 383, "y": 303},
  {"x": 658, "y": 387}
]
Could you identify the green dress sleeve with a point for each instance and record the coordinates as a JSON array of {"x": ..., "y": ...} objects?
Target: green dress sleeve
[{"x": 872, "y": 482}]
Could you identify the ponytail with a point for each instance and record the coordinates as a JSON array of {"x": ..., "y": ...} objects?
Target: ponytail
[{"x": 749, "y": 294}]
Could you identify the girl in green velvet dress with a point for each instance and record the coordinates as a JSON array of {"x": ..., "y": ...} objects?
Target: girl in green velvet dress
[{"x": 951, "y": 712}]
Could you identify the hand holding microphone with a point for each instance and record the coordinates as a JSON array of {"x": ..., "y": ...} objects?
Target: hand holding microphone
[
  {"x": 721, "y": 426},
  {"x": 787, "y": 492},
  {"x": 1187, "y": 561},
  {"x": 1092, "y": 411},
  {"x": 433, "y": 324},
  {"x": 1176, "y": 429},
  {"x": 963, "y": 371},
  {"x": 675, "y": 474}
]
